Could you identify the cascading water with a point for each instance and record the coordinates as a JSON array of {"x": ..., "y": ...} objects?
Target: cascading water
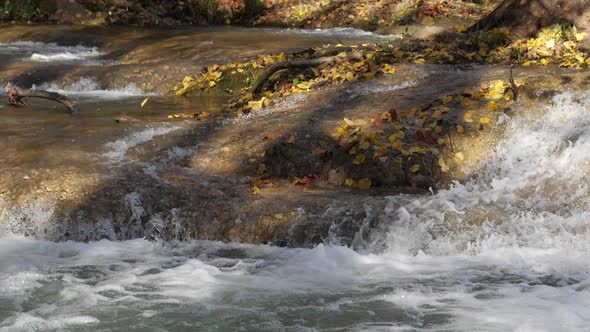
[{"x": 505, "y": 251}]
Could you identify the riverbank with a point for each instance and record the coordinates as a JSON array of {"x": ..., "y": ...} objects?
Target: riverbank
[{"x": 372, "y": 16}]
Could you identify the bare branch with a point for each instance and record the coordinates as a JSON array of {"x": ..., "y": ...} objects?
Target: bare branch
[{"x": 17, "y": 97}]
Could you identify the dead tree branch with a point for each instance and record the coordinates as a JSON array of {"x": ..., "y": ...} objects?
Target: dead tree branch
[
  {"x": 286, "y": 65},
  {"x": 318, "y": 58},
  {"x": 17, "y": 97}
]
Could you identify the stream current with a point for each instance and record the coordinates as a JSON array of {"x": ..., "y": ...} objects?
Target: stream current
[{"x": 505, "y": 251}]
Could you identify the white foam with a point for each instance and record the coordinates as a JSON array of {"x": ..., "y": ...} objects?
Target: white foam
[
  {"x": 117, "y": 150},
  {"x": 348, "y": 33},
  {"x": 87, "y": 87},
  {"x": 27, "y": 322},
  {"x": 65, "y": 56},
  {"x": 50, "y": 52}
]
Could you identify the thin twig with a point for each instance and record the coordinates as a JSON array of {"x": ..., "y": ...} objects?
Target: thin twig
[{"x": 513, "y": 86}]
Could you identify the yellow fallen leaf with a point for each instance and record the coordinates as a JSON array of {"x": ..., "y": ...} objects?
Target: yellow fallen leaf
[
  {"x": 349, "y": 122},
  {"x": 492, "y": 106},
  {"x": 446, "y": 99},
  {"x": 144, "y": 101},
  {"x": 304, "y": 85},
  {"x": 459, "y": 28},
  {"x": 255, "y": 190},
  {"x": 496, "y": 90},
  {"x": 443, "y": 166},
  {"x": 364, "y": 184},
  {"x": 387, "y": 69},
  {"x": 569, "y": 45},
  {"x": 468, "y": 116},
  {"x": 204, "y": 116},
  {"x": 349, "y": 182},
  {"x": 216, "y": 75},
  {"x": 415, "y": 168},
  {"x": 580, "y": 36},
  {"x": 484, "y": 120}
]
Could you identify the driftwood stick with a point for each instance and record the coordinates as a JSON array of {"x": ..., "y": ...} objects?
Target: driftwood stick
[
  {"x": 17, "y": 97},
  {"x": 288, "y": 64},
  {"x": 317, "y": 58}
]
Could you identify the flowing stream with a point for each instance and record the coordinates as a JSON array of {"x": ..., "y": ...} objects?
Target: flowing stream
[{"x": 505, "y": 251}]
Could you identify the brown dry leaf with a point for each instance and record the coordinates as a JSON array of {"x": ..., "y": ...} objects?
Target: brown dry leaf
[
  {"x": 271, "y": 135},
  {"x": 291, "y": 138},
  {"x": 393, "y": 114},
  {"x": 364, "y": 184},
  {"x": 446, "y": 99},
  {"x": 306, "y": 181},
  {"x": 359, "y": 159}
]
